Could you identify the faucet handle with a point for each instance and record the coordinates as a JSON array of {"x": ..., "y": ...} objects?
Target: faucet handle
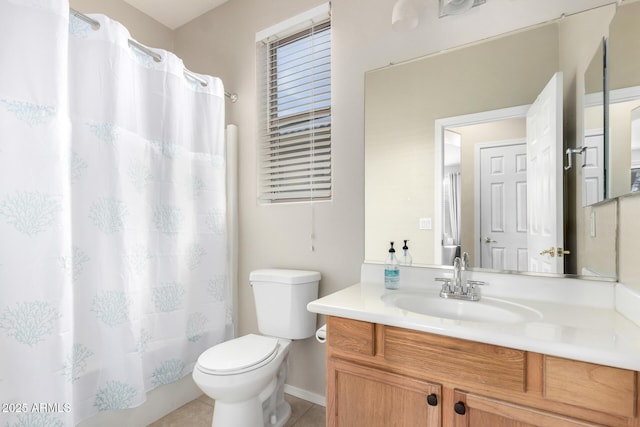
[
  {"x": 473, "y": 283},
  {"x": 474, "y": 292},
  {"x": 446, "y": 283}
]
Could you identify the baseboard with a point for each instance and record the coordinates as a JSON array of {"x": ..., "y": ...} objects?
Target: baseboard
[{"x": 306, "y": 395}]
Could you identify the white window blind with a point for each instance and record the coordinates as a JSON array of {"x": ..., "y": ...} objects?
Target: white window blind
[{"x": 294, "y": 86}]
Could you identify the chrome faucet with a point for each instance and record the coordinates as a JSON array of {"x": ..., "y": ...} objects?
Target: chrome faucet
[
  {"x": 458, "y": 287},
  {"x": 458, "y": 282},
  {"x": 465, "y": 260}
]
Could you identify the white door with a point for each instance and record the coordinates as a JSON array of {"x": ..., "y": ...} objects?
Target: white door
[
  {"x": 593, "y": 169},
  {"x": 544, "y": 178},
  {"x": 503, "y": 207}
]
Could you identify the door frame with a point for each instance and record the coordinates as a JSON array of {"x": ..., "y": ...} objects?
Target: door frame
[
  {"x": 456, "y": 121},
  {"x": 477, "y": 247}
]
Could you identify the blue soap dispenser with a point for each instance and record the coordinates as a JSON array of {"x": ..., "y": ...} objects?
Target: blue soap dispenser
[{"x": 391, "y": 270}]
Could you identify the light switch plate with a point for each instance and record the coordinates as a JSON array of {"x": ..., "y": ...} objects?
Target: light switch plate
[{"x": 425, "y": 224}]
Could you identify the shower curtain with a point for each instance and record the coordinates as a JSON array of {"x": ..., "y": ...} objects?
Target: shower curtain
[{"x": 113, "y": 221}]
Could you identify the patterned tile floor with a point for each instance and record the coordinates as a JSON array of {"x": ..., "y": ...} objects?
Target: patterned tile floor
[{"x": 199, "y": 412}]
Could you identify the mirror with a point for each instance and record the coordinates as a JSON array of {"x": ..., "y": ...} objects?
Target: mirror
[
  {"x": 612, "y": 114},
  {"x": 623, "y": 56},
  {"x": 590, "y": 158},
  {"x": 403, "y": 103}
]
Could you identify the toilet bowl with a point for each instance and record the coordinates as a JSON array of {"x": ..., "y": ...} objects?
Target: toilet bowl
[
  {"x": 235, "y": 373},
  {"x": 245, "y": 376}
]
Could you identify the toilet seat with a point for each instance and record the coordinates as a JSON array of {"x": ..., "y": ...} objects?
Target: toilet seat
[{"x": 238, "y": 355}]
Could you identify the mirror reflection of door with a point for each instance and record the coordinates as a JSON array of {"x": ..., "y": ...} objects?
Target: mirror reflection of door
[
  {"x": 503, "y": 205},
  {"x": 496, "y": 226},
  {"x": 593, "y": 167}
]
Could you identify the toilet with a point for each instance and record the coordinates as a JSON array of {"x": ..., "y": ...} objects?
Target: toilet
[{"x": 245, "y": 376}]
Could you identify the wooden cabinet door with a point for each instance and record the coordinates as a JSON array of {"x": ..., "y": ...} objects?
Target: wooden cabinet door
[
  {"x": 479, "y": 411},
  {"x": 370, "y": 398}
]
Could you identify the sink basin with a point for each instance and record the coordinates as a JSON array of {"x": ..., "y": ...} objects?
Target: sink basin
[{"x": 487, "y": 310}]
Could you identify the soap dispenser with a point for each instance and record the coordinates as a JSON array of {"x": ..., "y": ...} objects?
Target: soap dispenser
[
  {"x": 405, "y": 258},
  {"x": 391, "y": 270}
]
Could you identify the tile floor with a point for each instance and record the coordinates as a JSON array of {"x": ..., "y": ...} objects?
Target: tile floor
[{"x": 199, "y": 412}]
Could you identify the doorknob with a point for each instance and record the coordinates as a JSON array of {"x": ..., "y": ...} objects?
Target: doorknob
[
  {"x": 489, "y": 240},
  {"x": 551, "y": 251}
]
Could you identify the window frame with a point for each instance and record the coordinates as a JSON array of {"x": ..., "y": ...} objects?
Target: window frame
[{"x": 309, "y": 122}]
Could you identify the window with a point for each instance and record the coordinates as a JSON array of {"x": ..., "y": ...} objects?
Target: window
[{"x": 295, "y": 130}]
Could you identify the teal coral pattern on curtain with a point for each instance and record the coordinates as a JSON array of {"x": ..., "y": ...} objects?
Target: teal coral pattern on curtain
[{"x": 113, "y": 228}]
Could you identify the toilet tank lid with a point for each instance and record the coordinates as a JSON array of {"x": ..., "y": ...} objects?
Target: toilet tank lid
[{"x": 289, "y": 277}]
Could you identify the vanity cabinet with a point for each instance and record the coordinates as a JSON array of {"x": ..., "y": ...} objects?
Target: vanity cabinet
[
  {"x": 385, "y": 376},
  {"x": 480, "y": 411},
  {"x": 370, "y": 397}
]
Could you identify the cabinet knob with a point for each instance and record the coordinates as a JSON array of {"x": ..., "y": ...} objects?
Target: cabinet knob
[
  {"x": 460, "y": 408},
  {"x": 432, "y": 400}
]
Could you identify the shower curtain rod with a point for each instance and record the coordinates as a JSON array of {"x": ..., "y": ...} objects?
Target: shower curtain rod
[{"x": 156, "y": 57}]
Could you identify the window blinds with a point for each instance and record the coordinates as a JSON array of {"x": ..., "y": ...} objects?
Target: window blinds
[{"x": 295, "y": 110}]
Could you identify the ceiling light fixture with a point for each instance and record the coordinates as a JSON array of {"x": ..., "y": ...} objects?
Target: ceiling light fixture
[
  {"x": 457, "y": 7},
  {"x": 404, "y": 16}
]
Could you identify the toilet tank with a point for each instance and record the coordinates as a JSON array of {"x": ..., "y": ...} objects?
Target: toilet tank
[{"x": 281, "y": 298}]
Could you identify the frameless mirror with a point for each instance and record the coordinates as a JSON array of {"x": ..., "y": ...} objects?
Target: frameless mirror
[
  {"x": 592, "y": 154},
  {"x": 623, "y": 56},
  {"x": 407, "y": 107}
]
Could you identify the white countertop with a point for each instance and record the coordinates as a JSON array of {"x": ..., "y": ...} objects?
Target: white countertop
[{"x": 585, "y": 332}]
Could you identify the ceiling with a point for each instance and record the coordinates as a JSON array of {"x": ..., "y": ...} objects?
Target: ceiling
[{"x": 174, "y": 13}]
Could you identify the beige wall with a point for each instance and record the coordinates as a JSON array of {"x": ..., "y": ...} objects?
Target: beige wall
[
  {"x": 141, "y": 27},
  {"x": 629, "y": 240},
  {"x": 597, "y": 253},
  {"x": 623, "y": 47},
  {"x": 620, "y": 146},
  {"x": 222, "y": 43}
]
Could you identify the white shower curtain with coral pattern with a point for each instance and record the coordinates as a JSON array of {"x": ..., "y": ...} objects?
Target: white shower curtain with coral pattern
[{"x": 113, "y": 228}]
